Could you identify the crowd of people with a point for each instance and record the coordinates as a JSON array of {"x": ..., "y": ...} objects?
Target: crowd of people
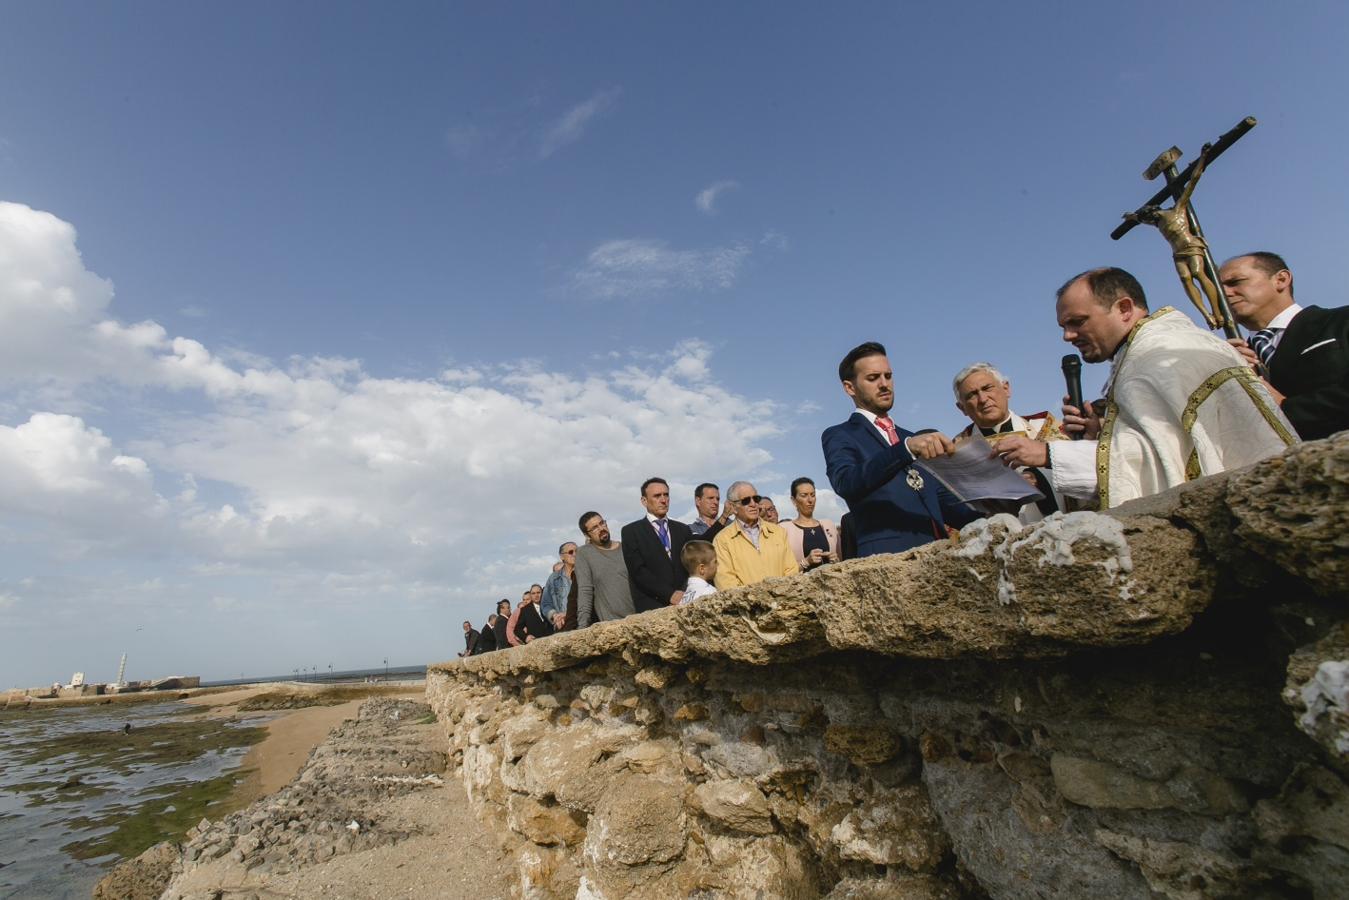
[{"x": 1179, "y": 403}]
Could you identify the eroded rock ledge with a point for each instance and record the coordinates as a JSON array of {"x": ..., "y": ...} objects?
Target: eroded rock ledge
[{"x": 1146, "y": 703}]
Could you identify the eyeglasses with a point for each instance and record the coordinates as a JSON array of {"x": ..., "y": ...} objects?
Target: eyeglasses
[
  {"x": 746, "y": 501},
  {"x": 571, "y": 552},
  {"x": 596, "y": 525}
]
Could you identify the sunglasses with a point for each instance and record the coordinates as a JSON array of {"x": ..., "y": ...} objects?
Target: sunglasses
[{"x": 746, "y": 501}]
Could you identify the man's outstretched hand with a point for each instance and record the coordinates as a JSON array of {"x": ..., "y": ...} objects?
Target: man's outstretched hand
[
  {"x": 1017, "y": 451},
  {"x": 930, "y": 445}
]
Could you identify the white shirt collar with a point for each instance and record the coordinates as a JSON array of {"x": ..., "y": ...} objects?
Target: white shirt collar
[
  {"x": 872, "y": 417},
  {"x": 1284, "y": 317},
  {"x": 652, "y": 519}
]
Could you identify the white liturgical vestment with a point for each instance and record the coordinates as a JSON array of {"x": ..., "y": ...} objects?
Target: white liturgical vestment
[{"x": 1180, "y": 403}]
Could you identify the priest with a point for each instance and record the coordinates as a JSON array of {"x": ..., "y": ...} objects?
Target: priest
[
  {"x": 1179, "y": 402},
  {"x": 984, "y": 395}
]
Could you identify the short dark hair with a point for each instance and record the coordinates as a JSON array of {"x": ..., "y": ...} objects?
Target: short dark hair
[
  {"x": 696, "y": 553},
  {"x": 585, "y": 517},
  {"x": 1271, "y": 264},
  {"x": 698, "y": 491},
  {"x": 505, "y": 601},
  {"x": 1108, "y": 284},
  {"x": 468, "y": 623},
  {"x": 800, "y": 481},
  {"x": 654, "y": 480},
  {"x": 491, "y": 619},
  {"x": 847, "y": 370}
]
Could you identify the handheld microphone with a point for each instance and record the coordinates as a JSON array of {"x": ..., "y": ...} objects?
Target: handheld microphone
[{"x": 1072, "y": 377}]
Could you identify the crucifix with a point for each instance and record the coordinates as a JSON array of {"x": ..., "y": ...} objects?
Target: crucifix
[{"x": 1179, "y": 225}]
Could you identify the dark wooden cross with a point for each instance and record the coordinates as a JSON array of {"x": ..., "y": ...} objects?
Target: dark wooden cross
[{"x": 1165, "y": 164}]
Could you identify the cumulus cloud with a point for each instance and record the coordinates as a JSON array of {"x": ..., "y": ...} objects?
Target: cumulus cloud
[
  {"x": 316, "y": 481},
  {"x": 636, "y": 268},
  {"x": 573, "y": 123},
  {"x": 706, "y": 201},
  {"x": 67, "y": 481}
]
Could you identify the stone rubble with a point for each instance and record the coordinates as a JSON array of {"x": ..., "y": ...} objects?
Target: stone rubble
[{"x": 325, "y": 812}]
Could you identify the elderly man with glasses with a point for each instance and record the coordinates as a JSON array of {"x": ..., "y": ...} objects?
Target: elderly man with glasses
[{"x": 751, "y": 549}]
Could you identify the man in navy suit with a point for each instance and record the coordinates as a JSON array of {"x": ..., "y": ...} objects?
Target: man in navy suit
[
  {"x": 869, "y": 461},
  {"x": 1305, "y": 350},
  {"x": 651, "y": 550}
]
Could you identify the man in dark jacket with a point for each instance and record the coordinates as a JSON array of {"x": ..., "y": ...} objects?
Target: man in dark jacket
[
  {"x": 651, "y": 550},
  {"x": 487, "y": 640},
  {"x": 1304, "y": 350},
  {"x": 470, "y": 639},
  {"x": 530, "y": 625},
  {"x": 870, "y": 463},
  {"x": 499, "y": 626}
]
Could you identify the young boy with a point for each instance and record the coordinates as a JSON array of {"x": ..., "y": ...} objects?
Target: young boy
[{"x": 700, "y": 561}]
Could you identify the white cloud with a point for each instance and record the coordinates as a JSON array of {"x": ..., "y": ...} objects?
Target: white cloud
[
  {"x": 317, "y": 482},
  {"x": 60, "y": 472},
  {"x": 706, "y": 201},
  {"x": 640, "y": 268},
  {"x": 572, "y": 125}
]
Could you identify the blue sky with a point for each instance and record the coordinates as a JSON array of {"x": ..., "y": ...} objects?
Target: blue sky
[{"x": 320, "y": 323}]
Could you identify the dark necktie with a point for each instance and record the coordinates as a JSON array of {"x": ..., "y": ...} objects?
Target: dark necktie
[
  {"x": 1262, "y": 342},
  {"x": 664, "y": 531}
]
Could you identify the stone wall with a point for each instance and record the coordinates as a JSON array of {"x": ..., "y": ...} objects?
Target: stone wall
[{"x": 1150, "y": 703}]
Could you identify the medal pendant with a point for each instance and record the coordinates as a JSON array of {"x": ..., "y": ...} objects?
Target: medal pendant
[{"x": 914, "y": 479}]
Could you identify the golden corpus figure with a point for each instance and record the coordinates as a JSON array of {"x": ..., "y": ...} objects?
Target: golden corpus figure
[{"x": 1187, "y": 248}]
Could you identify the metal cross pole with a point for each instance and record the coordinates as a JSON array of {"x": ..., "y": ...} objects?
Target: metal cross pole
[{"x": 1175, "y": 185}]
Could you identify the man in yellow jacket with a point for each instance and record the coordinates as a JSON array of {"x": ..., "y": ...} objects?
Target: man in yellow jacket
[{"x": 750, "y": 549}]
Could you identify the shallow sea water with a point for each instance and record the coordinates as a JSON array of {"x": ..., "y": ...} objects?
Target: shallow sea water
[{"x": 44, "y": 817}]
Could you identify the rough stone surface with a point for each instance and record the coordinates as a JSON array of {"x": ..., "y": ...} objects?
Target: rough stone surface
[
  {"x": 641, "y": 820},
  {"x": 737, "y": 805},
  {"x": 896, "y": 828},
  {"x": 1318, "y": 692},
  {"x": 544, "y": 825},
  {"x": 142, "y": 878},
  {"x": 1143, "y": 704}
]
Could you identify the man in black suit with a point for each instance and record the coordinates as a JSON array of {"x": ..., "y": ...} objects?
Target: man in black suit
[
  {"x": 530, "y": 624},
  {"x": 487, "y": 639},
  {"x": 651, "y": 550},
  {"x": 1305, "y": 350}
]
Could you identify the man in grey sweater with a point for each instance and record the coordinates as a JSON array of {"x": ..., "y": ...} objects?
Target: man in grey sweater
[{"x": 602, "y": 591}]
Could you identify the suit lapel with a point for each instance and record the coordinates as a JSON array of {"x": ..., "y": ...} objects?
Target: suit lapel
[
  {"x": 861, "y": 422},
  {"x": 1296, "y": 338}
]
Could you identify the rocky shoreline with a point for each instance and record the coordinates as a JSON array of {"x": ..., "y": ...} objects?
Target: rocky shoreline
[{"x": 375, "y": 783}]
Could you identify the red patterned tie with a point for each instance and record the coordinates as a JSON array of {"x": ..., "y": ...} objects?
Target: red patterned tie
[{"x": 889, "y": 428}]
